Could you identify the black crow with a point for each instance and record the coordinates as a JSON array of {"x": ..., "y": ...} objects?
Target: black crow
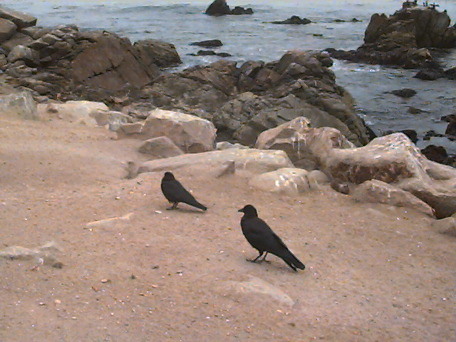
[
  {"x": 176, "y": 193},
  {"x": 262, "y": 238}
]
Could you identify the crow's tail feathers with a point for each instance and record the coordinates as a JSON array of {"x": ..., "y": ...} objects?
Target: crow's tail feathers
[
  {"x": 292, "y": 261},
  {"x": 197, "y": 204}
]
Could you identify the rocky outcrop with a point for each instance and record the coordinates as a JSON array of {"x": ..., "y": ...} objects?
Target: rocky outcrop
[
  {"x": 188, "y": 132},
  {"x": 403, "y": 39},
  {"x": 64, "y": 63},
  {"x": 220, "y": 7},
  {"x": 247, "y": 100}
]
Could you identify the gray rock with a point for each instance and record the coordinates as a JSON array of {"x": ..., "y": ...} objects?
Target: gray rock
[
  {"x": 26, "y": 54},
  {"x": 18, "y": 38},
  {"x": 7, "y": 29}
]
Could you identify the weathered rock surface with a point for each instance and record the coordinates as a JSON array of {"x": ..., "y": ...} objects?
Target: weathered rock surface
[
  {"x": 289, "y": 181},
  {"x": 161, "y": 147},
  {"x": 290, "y": 137},
  {"x": 188, "y": 132},
  {"x": 251, "y": 160},
  {"x": 376, "y": 191},
  {"x": 403, "y": 39}
]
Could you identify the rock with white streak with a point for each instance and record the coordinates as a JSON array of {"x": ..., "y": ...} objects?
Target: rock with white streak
[{"x": 289, "y": 181}]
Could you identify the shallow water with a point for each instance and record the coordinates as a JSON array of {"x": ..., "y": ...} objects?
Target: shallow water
[{"x": 252, "y": 38}]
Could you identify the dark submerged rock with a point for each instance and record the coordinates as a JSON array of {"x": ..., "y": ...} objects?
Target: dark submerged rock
[
  {"x": 405, "y": 93},
  {"x": 435, "y": 153},
  {"x": 213, "y": 43},
  {"x": 294, "y": 20}
]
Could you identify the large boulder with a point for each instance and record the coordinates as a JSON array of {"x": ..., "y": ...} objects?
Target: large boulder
[
  {"x": 188, "y": 132},
  {"x": 403, "y": 39},
  {"x": 396, "y": 160},
  {"x": 249, "y": 160},
  {"x": 290, "y": 137},
  {"x": 375, "y": 191}
]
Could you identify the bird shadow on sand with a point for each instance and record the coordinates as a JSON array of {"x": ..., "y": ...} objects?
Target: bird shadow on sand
[{"x": 184, "y": 210}]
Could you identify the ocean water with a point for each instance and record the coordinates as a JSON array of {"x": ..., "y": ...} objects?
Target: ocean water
[{"x": 250, "y": 37}]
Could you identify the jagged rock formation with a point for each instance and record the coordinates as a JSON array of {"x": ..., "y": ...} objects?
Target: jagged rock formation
[{"x": 403, "y": 39}]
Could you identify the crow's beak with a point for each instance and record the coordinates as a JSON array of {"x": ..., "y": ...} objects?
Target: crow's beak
[{"x": 241, "y": 210}]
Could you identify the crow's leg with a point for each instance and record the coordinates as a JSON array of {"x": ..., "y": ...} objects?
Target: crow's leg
[
  {"x": 174, "y": 206},
  {"x": 254, "y": 260},
  {"x": 264, "y": 258}
]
